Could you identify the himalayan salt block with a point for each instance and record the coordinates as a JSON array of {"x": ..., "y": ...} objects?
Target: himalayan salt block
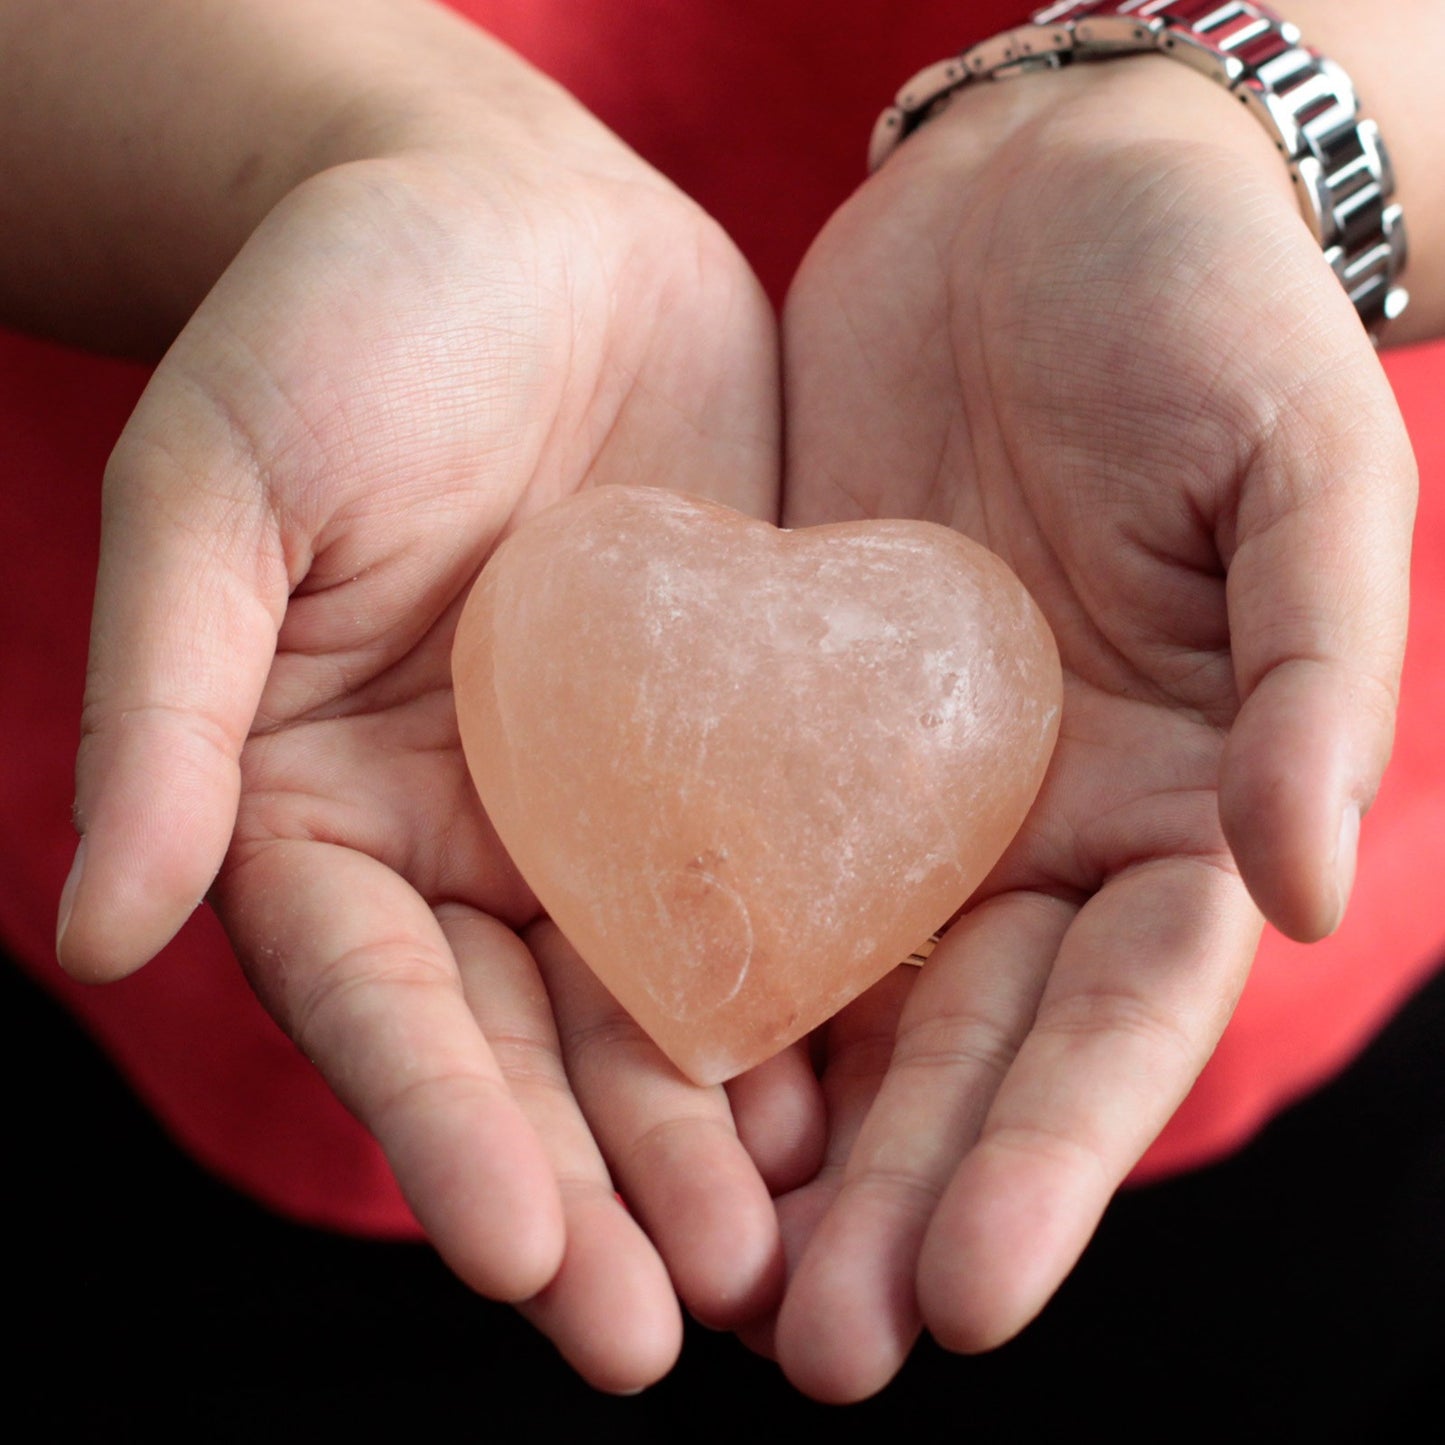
[{"x": 748, "y": 770}]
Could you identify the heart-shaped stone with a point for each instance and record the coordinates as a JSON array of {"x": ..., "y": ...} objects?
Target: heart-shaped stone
[{"x": 748, "y": 770}]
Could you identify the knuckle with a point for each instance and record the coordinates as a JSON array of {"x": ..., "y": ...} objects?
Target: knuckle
[
  {"x": 1057, "y": 1149},
  {"x": 602, "y": 1041},
  {"x": 965, "y": 1041},
  {"x": 528, "y": 1063},
  {"x": 360, "y": 984},
  {"x": 441, "y": 1092},
  {"x": 894, "y": 1187},
  {"x": 1123, "y": 1014},
  {"x": 659, "y": 1146}
]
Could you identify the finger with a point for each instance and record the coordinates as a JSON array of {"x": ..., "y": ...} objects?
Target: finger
[
  {"x": 671, "y": 1145},
  {"x": 355, "y": 967},
  {"x": 851, "y": 1315},
  {"x": 857, "y": 1044},
  {"x": 189, "y": 596},
  {"x": 1144, "y": 983},
  {"x": 780, "y": 1117},
  {"x": 1317, "y": 589},
  {"x": 610, "y": 1309}
]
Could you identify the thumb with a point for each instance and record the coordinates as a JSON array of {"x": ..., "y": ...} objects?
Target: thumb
[
  {"x": 1318, "y": 596},
  {"x": 189, "y": 596}
]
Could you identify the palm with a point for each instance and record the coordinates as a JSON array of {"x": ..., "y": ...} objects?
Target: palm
[
  {"x": 1085, "y": 374},
  {"x": 462, "y": 404},
  {"x": 417, "y": 457},
  {"x": 1076, "y": 425}
]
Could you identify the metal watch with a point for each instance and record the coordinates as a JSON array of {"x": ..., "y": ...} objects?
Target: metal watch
[{"x": 1341, "y": 171}]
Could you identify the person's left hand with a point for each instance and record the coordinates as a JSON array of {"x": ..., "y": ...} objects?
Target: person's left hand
[{"x": 1124, "y": 366}]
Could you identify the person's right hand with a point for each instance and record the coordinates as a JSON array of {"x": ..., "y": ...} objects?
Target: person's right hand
[{"x": 494, "y": 306}]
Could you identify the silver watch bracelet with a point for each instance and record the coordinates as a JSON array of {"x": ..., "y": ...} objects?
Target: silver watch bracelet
[{"x": 1337, "y": 161}]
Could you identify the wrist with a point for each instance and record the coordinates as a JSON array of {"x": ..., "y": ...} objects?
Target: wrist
[
  {"x": 1112, "y": 116},
  {"x": 1392, "y": 55},
  {"x": 1305, "y": 107}
]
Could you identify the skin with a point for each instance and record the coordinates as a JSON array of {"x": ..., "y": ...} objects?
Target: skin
[{"x": 414, "y": 296}]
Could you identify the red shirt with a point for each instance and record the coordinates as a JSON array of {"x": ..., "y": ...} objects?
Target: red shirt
[{"x": 761, "y": 109}]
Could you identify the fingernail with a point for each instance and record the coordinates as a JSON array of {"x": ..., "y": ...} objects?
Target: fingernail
[
  {"x": 1345, "y": 853},
  {"x": 67, "y": 895}
]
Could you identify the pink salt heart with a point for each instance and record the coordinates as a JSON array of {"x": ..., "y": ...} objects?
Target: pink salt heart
[{"x": 747, "y": 770}]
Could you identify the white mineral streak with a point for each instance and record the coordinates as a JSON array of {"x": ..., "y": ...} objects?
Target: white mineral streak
[{"x": 746, "y": 770}]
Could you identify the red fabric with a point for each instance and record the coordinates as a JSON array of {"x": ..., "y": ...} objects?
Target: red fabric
[
  {"x": 1307, "y": 1010},
  {"x": 761, "y": 109}
]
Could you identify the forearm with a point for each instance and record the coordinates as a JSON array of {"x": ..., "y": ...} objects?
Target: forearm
[{"x": 143, "y": 141}]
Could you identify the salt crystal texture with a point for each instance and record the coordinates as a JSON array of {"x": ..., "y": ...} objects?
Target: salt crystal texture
[{"x": 746, "y": 770}]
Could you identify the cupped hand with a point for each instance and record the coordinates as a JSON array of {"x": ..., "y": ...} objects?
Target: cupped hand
[
  {"x": 412, "y": 352},
  {"x": 1078, "y": 317}
]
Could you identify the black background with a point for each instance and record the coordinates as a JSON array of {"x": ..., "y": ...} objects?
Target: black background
[{"x": 1295, "y": 1292}]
